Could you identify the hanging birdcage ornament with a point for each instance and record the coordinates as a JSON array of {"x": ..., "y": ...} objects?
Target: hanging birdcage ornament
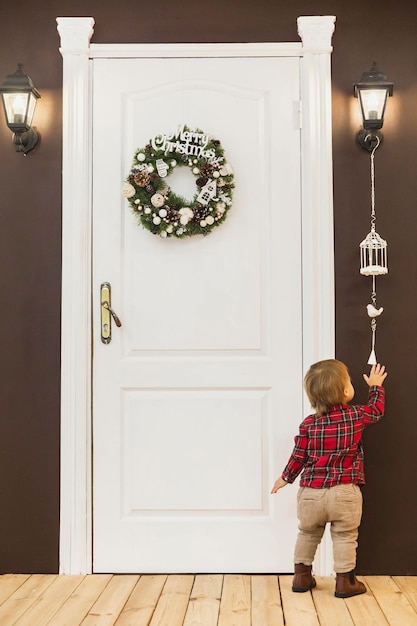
[
  {"x": 373, "y": 251},
  {"x": 373, "y": 255}
]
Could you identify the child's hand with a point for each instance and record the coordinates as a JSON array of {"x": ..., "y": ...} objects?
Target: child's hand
[
  {"x": 377, "y": 375},
  {"x": 278, "y": 484}
]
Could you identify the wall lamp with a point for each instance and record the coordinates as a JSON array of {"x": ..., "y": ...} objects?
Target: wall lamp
[
  {"x": 372, "y": 91},
  {"x": 19, "y": 97}
]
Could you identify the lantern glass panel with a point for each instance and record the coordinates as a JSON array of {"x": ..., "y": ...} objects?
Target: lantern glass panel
[
  {"x": 31, "y": 108},
  {"x": 373, "y": 103},
  {"x": 16, "y": 106}
]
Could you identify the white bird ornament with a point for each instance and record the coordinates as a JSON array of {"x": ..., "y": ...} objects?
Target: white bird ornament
[{"x": 372, "y": 311}]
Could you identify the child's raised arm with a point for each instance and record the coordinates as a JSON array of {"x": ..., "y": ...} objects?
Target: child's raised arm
[{"x": 377, "y": 375}]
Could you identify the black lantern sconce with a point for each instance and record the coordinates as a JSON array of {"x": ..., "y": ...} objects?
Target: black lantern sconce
[
  {"x": 372, "y": 91},
  {"x": 19, "y": 100}
]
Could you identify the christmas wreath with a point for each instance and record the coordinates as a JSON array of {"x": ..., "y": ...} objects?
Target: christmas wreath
[{"x": 159, "y": 209}]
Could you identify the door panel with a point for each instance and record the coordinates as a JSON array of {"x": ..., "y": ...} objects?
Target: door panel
[{"x": 198, "y": 394}]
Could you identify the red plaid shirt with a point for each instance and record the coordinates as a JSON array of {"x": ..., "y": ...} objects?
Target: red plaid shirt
[{"x": 328, "y": 449}]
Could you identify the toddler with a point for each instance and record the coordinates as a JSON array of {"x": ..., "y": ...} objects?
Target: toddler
[{"x": 328, "y": 451}]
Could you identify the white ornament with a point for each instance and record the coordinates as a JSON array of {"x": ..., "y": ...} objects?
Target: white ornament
[
  {"x": 170, "y": 229},
  {"x": 196, "y": 170},
  {"x": 157, "y": 200},
  {"x": 163, "y": 233},
  {"x": 140, "y": 167},
  {"x": 226, "y": 169},
  {"x": 372, "y": 311},
  {"x": 216, "y": 174},
  {"x": 173, "y": 163},
  {"x": 207, "y": 192},
  {"x": 128, "y": 190},
  {"x": 210, "y": 220},
  {"x": 163, "y": 213},
  {"x": 203, "y": 223},
  {"x": 373, "y": 255},
  {"x": 141, "y": 156},
  {"x": 186, "y": 215},
  {"x": 156, "y": 220},
  {"x": 147, "y": 210},
  {"x": 161, "y": 167}
]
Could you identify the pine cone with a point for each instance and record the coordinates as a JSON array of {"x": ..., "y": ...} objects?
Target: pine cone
[
  {"x": 206, "y": 170},
  {"x": 200, "y": 212},
  {"x": 142, "y": 179},
  {"x": 172, "y": 214},
  {"x": 200, "y": 182}
]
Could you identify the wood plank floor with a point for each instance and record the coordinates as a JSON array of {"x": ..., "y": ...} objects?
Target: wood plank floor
[{"x": 201, "y": 600}]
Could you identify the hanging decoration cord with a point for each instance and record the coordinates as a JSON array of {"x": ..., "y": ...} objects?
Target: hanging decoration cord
[
  {"x": 373, "y": 217},
  {"x": 372, "y": 357}
]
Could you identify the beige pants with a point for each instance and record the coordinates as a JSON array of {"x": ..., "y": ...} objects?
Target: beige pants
[{"x": 342, "y": 507}]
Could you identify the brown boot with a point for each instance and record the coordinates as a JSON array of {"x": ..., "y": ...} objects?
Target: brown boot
[
  {"x": 347, "y": 585},
  {"x": 303, "y": 580}
]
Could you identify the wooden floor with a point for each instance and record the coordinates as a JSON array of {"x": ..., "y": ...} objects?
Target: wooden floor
[{"x": 202, "y": 600}]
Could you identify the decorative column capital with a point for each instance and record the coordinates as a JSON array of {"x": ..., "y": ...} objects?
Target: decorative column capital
[
  {"x": 316, "y": 32},
  {"x": 75, "y": 33}
]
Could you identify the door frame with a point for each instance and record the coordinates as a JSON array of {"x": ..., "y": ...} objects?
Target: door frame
[{"x": 314, "y": 52}]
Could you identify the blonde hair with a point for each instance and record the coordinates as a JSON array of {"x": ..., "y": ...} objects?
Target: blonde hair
[{"x": 325, "y": 384}]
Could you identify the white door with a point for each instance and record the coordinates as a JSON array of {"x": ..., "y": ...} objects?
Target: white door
[{"x": 197, "y": 396}]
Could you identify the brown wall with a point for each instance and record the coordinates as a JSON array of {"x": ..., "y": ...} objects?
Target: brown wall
[{"x": 30, "y": 248}]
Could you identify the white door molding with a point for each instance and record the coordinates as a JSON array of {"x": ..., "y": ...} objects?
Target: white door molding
[
  {"x": 317, "y": 210},
  {"x": 317, "y": 240},
  {"x": 75, "y": 523}
]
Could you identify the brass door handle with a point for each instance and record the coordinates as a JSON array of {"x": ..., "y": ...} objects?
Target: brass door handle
[
  {"x": 107, "y": 313},
  {"x": 112, "y": 313}
]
